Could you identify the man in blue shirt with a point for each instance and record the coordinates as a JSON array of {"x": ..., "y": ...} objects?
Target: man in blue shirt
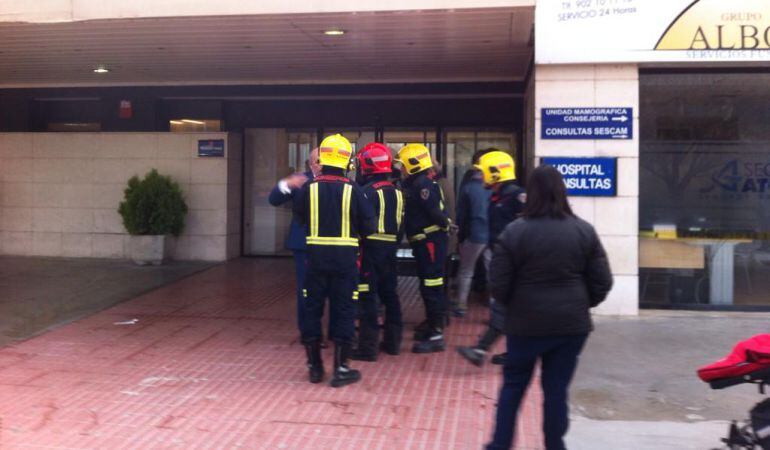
[
  {"x": 283, "y": 192},
  {"x": 473, "y": 220}
]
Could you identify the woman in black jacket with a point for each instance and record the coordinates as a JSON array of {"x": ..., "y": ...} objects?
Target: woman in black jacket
[{"x": 549, "y": 268}]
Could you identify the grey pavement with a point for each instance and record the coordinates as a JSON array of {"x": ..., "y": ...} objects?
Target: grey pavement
[
  {"x": 586, "y": 434},
  {"x": 636, "y": 386},
  {"x": 39, "y": 293}
]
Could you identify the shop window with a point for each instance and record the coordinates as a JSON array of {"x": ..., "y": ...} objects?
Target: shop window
[
  {"x": 697, "y": 129},
  {"x": 194, "y": 125},
  {"x": 300, "y": 143},
  {"x": 67, "y": 114},
  {"x": 461, "y": 145},
  {"x": 358, "y": 137},
  {"x": 185, "y": 116},
  {"x": 74, "y": 127},
  {"x": 395, "y": 139},
  {"x": 705, "y": 190}
]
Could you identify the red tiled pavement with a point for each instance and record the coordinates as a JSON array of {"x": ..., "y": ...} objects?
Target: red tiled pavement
[{"x": 214, "y": 362}]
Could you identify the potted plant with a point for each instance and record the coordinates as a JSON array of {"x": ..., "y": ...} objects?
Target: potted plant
[{"x": 152, "y": 209}]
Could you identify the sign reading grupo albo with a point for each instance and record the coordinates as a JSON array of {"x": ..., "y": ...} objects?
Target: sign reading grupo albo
[
  {"x": 606, "y": 31},
  {"x": 587, "y": 177}
]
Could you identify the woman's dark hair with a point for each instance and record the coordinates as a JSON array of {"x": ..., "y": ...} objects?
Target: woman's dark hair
[{"x": 547, "y": 195}]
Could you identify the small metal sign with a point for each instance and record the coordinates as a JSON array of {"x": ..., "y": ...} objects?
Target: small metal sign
[
  {"x": 211, "y": 148},
  {"x": 587, "y": 123}
]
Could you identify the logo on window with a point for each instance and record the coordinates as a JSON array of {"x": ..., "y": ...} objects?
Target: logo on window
[
  {"x": 734, "y": 25},
  {"x": 740, "y": 177}
]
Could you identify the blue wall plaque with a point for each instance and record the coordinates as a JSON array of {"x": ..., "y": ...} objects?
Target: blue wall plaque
[
  {"x": 211, "y": 148},
  {"x": 587, "y": 123},
  {"x": 587, "y": 177}
]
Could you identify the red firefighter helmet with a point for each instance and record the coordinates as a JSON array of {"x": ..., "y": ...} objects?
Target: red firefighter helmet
[{"x": 375, "y": 158}]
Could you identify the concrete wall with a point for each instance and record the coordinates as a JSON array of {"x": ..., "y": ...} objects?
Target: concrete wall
[
  {"x": 59, "y": 192},
  {"x": 72, "y": 10},
  {"x": 616, "y": 219}
]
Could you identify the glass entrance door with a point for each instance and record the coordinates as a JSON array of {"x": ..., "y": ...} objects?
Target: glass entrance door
[{"x": 274, "y": 153}]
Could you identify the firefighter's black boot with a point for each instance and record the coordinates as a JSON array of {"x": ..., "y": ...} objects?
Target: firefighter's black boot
[
  {"x": 488, "y": 339},
  {"x": 422, "y": 331},
  {"x": 500, "y": 359},
  {"x": 368, "y": 344},
  {"x": 391, "y": 341},
  {"x": 474, "y": 355},
  {"x": 343, "y": 375},
  {"x": 433, "y": 343},
  {"x": 315, "y": 364}
]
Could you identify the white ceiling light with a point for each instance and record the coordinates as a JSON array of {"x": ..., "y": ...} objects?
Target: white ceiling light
[
  {"x": 334, "y": 32},
  {"x": 101, "y": 69}
]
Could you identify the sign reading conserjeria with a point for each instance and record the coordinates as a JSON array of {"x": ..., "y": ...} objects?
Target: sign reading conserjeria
[
  {"x": 603, "y": 31},
  {"x": 587, "y": 123}
]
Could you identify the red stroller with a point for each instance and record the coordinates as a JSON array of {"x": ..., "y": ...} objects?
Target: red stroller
[{"x": 749, "y": 362}]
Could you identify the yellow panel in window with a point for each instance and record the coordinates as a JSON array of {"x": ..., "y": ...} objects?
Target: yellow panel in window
[{"x": 670, "y": 254}]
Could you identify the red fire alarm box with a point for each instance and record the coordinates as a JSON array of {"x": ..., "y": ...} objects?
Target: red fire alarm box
[{"x": 126, "y": 112}]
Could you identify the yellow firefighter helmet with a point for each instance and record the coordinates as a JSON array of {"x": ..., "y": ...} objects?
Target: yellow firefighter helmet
[
  {"x": 335, "y": 151},
  {"x": 497, "y": 167},
  {"x": 415, "y": 158}
]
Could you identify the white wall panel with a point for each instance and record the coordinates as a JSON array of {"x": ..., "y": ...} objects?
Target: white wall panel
[
  {"x": 59, "y": 197},
  {"x": 616, "y": 219}
]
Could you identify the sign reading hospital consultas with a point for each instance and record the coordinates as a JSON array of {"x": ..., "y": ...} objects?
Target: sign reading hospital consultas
[
  {"x": 587, "y": 123},
  {"x": 587, "y": 177},
  {"x": 607, "y": 31}
]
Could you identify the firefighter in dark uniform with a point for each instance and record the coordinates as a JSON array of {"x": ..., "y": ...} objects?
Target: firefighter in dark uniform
[
  {"x": 426, "y": 225},
  {"x": 378, "y": 255},
  {"x": 335, "y": 214},
  {"x": 505, "y": 205}
]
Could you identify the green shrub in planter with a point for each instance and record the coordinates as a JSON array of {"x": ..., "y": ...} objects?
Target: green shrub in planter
[{"x": 153, "y": 205}]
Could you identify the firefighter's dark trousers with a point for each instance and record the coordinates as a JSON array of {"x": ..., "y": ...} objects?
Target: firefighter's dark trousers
[
  {"x": 336, "y": 280},
  {"x": 378, "y": 279},
  {"x": 430, "y": 254}
]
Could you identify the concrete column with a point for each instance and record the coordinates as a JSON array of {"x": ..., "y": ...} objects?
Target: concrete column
[
  {"x": 616, "y": 219},
  {"x": 234, "y": 177}
]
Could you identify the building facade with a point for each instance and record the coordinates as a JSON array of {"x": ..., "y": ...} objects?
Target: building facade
[{"x": 655, "y": 110}]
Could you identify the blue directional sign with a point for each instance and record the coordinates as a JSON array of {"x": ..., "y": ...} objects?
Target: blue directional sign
[
  {"x": 211, "y": 148},
  {"x": 587, "y": 123},
  {"x": 587, "y": 177}
]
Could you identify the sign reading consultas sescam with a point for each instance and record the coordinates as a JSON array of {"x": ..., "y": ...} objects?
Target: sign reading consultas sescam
[
  {"x": 587, "y": 123},
  {"x": 587, "y": 177}
]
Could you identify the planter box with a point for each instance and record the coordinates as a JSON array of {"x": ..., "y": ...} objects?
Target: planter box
[{"x": 145, "y": 250}]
